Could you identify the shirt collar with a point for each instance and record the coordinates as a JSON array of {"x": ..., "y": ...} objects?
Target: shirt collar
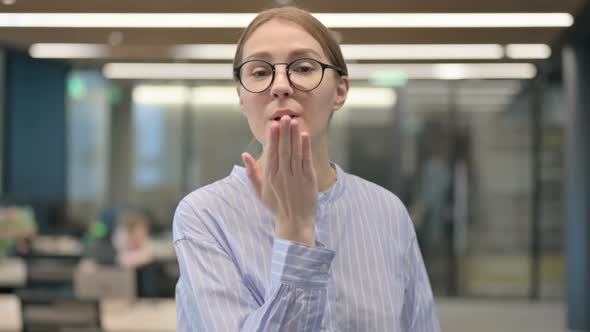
[{"x": 324, "y": 197}]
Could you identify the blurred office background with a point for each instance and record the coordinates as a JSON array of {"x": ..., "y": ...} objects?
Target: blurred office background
[{"x": 478, "y": 123}]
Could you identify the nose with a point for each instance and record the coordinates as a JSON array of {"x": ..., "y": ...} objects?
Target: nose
[{"x": 281, "y": 86}]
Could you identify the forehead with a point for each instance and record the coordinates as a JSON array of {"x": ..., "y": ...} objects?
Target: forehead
[{"x": 280, "y": 40}]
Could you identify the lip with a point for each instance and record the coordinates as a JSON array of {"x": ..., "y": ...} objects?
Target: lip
[{"x": 280, "y": 113}]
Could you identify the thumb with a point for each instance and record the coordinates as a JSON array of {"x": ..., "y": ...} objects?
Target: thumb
[{"x": 253, "y": 173}]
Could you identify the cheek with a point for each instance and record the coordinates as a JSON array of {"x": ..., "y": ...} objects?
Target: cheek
[
  {"x": 255, "y": 118},
  {"x": 256, "y": 124},
  {"x": 326, "y": 92},
  {"x": 322, "y": 103},
  {"x": 252, "y": 104}
]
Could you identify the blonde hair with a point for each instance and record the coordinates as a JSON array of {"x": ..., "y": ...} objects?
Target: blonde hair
[{"x": 302, "y": 18}]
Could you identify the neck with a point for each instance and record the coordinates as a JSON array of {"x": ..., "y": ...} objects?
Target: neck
[{"x": 325, "y": 174}]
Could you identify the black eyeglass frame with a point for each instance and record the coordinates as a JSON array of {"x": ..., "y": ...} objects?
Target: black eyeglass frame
[{"x": 237, "y": 69}]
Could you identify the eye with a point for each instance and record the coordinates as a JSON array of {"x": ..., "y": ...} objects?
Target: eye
[
  {"x": 304, "y": 67},
  {"x": 260, "y": 72}
]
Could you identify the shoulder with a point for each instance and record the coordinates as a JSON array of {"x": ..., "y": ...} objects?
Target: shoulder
[
  {"x": 199, "y": 211},
  {"x": 213, "y": 195},
  {"x": 373, "y": 192},
  {"x": 385, "y": 207}
]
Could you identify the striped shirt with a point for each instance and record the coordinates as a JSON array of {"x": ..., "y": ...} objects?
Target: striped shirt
[{"x": 365, "y": 273}]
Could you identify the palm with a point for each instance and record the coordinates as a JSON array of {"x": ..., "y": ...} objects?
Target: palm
[{"x": 287, "y": 186}]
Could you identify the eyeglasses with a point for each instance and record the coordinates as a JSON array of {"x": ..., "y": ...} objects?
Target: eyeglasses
[{"x": 303, "y": 74}]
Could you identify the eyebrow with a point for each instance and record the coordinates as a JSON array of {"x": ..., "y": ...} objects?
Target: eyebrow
[{"x": 267, "y": 55}]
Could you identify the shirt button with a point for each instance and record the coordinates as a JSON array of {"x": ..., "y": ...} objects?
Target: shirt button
[{"x": 324, "y": 269}]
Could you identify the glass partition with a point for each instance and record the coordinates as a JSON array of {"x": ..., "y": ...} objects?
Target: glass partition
[{"x": 88, "y": 123}]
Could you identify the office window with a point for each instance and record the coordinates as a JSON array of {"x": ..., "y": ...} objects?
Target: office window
[
  {"x": 149, "y": 138},
  {"x": 88, "y": 117}
]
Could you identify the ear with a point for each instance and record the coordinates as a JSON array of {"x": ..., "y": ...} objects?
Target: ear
[
  {"x": 240, "y": 98},
  {"x": 341, "y": 93}
]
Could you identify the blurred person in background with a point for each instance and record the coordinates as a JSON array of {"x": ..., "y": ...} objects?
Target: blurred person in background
[
  {"x": 17, "y": 227},
  {"x": 132, "y": 240},
  {"x": 121, "y": 237},
  {"x": 431, "y": 209},
  {"x": 291, "y": 242}
]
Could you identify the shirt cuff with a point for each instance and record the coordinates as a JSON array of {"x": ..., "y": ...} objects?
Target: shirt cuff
[{"x": 301, "y": 265}]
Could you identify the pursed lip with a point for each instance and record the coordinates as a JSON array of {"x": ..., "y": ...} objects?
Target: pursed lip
[{"x": 277, "y": 115}]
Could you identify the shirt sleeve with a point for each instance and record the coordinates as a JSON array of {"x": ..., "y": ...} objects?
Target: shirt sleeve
[
  {"x": 418, "y": 311},
  {"x": 211, "y": 294}
]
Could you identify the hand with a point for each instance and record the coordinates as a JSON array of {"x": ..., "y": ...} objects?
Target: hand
[{"x": 288, "y": 188}]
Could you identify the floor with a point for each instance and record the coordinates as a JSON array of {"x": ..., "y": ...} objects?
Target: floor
[{"x": 461, "y": 315}]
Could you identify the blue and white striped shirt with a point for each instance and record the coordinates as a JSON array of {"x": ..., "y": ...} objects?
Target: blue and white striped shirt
[{"x": 365, "y": 274}]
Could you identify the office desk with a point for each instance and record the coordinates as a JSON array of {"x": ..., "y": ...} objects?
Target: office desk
[
  {"x": 13, "y": 272},
  {"x": 11, "y": 314},
  {"x": 146, "y": 315},
  {"x": 60, "y": 245}
]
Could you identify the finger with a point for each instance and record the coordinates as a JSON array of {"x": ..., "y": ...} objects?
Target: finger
[
  {"x": 271, "y": 163},
  {"x": 253, "y": 173},
  {"x": 285, "y": 145},
  {"x": 296, "y": 153},
  {"x": 306, "y": 162}
]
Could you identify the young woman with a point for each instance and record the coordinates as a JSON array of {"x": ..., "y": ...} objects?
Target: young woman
[{"x": 291, "y": 242}]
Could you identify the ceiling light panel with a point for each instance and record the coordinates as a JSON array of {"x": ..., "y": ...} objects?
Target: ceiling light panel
[
  {"x": 241, "y": 20},
  {"x": 528, "y": 51},
  {"x": 444, "y": 71},
  {"x": 422, "y": 52}
]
